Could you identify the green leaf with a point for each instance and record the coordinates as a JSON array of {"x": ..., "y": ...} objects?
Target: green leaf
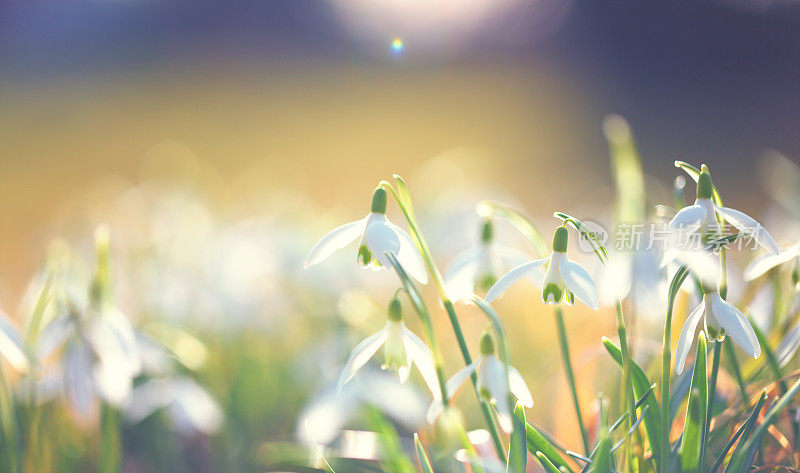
[
  {"x": 772, "y": 360},
  {"x": 627, "y": 170},
  {"x": 743, "y": 432},
  {"x": 740, "y": 463},
  {"x": 693, "y": 428},
  {"x": 602, "y": 456},
  {"x": 539, "y": 443},
  {"x": 517, "y": 453},
  {"x": 425, "y": 464},
  {"x": 522, "y": 223},
  {"x": 404, "y": 194},
  {"x": 587, "y": 233},
  {"x": 546, "y": 463},
  {"x": 641, "y": 386}
]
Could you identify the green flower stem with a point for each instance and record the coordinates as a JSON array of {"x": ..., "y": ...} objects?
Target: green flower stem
[
  {"x": 712, "y": 388},
  {"x": 10, "y": 437},
  {"x": 666, "y": 362},
  {"x": 424, "y": 316},
  {"x": 562, "y": 337},
  {"x": 422, "y": 246},
  {"x": 627, "y": 395},
  {"x": 110, "y": 454}
]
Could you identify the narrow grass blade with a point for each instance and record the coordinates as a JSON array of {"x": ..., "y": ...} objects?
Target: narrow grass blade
[
  {"x": 546, "y": 463},
  {"x": 424, "y": 463},
  {"x": 539, "y": 443},
  {"x": 517, "y": 452},
  {"x": 693, "y": 429},
  {"x": 742, "y": 459},
  {"x": 641, "y": 388},
  {"x": 742, "y": 432},
  {"x": 602, "y": 458}
]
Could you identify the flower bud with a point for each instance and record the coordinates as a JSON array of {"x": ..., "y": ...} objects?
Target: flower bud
[
  {"x": 379, "y": 201},
  {"x": 487, "y": 231},
  {"x": 395, "y": 311},
  {"x": 560, "y": 240},
  {"x": 487, "y": 344},
  {"x": 705, "y": 188}
]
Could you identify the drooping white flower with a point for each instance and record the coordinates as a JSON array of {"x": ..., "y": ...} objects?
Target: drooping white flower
[
  {"x": 762, "y": 264},
  {"x": 378, "y": 236},
  {"x": 401, "y": 348},
  {"x": 12, "y": 347},
  {"x": 563, "y": 279},
  {"x": 189, "y": 407},
  {"x": 476, "y": 269},
  {"x": 700, "y": 220},
  {"x": 720, "y": 318},
  {"x": 495, "y": 380}
]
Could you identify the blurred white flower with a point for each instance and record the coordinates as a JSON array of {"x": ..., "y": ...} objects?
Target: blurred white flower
[
  {"x": 188, "y": 406},
  {"x": 326, "y": 415},
  {"x": 720, "y": 319},
  {"x": 12, "y": 347},
  {"x": 563, "y": 278},
  {"x": 378, "y": 236},
  {"x": 495, "y": 380},
  {"x": 762, "y": 264},
  {"x": 476, "y": 269},
  {"x": 402, "y": 348}
]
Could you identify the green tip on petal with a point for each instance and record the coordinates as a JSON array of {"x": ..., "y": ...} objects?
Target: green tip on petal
[
  {"x": 705, "y": 188},
  {"x": 379, "y": 201},
  {"x": 560, "y": 240},
  {"x": 554, "y": 290},
  {"x": 395, "y": 310},
  {"x": 487, "y": 344},
  {"x": 487, "y": 231},
  {"x": 364, "y": 255}
]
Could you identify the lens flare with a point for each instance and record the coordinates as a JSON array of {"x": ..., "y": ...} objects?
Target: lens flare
[{"x": 397, "y": 45}]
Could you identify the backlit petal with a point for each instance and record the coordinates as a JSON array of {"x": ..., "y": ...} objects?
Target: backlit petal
[
  {"x": 460, "y": 275},
  {"x": 421, "y": 355},
  {"x": 687, "y": 337},
  {"x": 747, "y": 225},
  {"x": 409, "y": 256},
  {"x": 735, "y": 325},
  {"x": 761, "y": 265},
  {"x": 578, "y": 281},
  {"x": 519, "y": 388},
  {"x": 361, "y": 354},
  {"x": 508, "y": 279},
  {"x": 335, "y": 239}
]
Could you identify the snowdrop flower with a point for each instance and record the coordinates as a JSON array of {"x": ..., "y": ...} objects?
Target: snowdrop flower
[
  {"x": 720, "y": 318},
  {"x": 401, "y": 349},
  {"x": 378, "y": 236},
  {"x": 189, "y": 407},
  {"x": 476, "y": 269},
  {"x": 761, "y": 265},
  {"x": 493, "y": 384},
  {"x": 563, "y": 278},
  {"x": 12, "y": 347},
  {"x": 701, "y": 218}
]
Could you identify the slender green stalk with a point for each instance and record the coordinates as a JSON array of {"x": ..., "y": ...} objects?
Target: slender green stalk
[
  {"x": 712, "y": 388},
  {"x": 10, "y": 432},
  {"x": 627, "y": 395},
  {"x": 110, "y": 454},
  {"x": 407, "y": 209},
  {"x": 562, "y": 337},
  {"x": 666, "y": 368}
]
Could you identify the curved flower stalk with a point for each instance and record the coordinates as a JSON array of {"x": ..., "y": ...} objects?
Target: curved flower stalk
[
  {"x": 495, "y": 380},
  {"x": 378, "y": 236},
  {"x": 401, "y": 348},
  {"x": 563, "y": 279},
  {"x": 698, "y": 223},
  {"x": 477, "y": 269},
  {"x": 762, "y": 264},
  {"x": 720, "y": 318}
]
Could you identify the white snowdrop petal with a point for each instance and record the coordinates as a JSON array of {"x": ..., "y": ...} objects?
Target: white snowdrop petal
[
  {"x": 434, "y": 411},
  {"x": 762, "y": 264},
  {"x": 381, "y": 239},
  {"x": 459, "y": 277},
  {"x": 361, "y": 354},
  {"x": 519, "y": 388},
  {"x": 703, "y": 264},
  {"x": 788, "y": 346},
  {"x": 578, "y": 281},
  {"x": 686, "y": 337},
  {"x": 78, "y": 379},
  {"x": 12, "y": 347},
  {"x": 615, "y": 280},
  {"x": 508, "y": 279},
  {"x": 409, "y": 256},
  {"x": 735, "y": 325},
  {"x": 421, "y": 355},
  {"x": 749, "y": 226},
  {"x": 493, "y": 377},
  {"x": 454, "y": 383},
  {"x": 687, "y": 216},
  {"x": 335, "y": 239}
]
